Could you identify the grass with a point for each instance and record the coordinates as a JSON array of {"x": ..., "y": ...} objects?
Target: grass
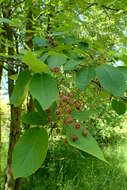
[{"x": 66, "y": 168}]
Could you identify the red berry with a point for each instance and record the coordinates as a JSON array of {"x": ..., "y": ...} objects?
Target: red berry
[
  {"x": 56, "y": 69},
  {"x": 69, "y": 110},
  {"x": 71, "y": 95},
  {"x": 77, "y": 125},
  {"x": 63, "y": 105},
  {"x": 85, "y": 133},
  {"x": 71, "y": 102},
  {"x": 58, "y": 111},
  {"x": 69, "y": 120},
  {"x": 74, "y": 138},
  {"x": 78, "y": 106},
  {"x": 64, "y": 98},
  {"x": 79, "y": 109}
]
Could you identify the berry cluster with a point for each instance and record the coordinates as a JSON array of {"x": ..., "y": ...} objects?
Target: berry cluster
[
  {"x": 64, "y": 110},
  {"x": 65, "y": 105}
]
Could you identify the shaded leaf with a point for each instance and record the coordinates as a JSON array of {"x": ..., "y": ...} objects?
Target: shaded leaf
[
  {"x": 70, "y": 40},
  {"x": 30, "y": 152},
  {"x": 83, "y": 46},
  {"x": 38, "y": 106},
  {"x": 71, "y": 65},
  {"x": 35, "y": 118},
  {"x": 44, "y": 56},
  {"x": 56, "y": 60},
  {"x": 38, "y": 42},
  {"x": 5, "y": 20},
  {"x": 53, "y": 109},
  {"x": 119, "y": 107},
  {"x": 111, "y": 79},
  {"x": 84, "y": 76},
  {"x": 123, "y": 70}
]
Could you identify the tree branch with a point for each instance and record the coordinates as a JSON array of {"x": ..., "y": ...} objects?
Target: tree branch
[{"x": 105, "y": 7}]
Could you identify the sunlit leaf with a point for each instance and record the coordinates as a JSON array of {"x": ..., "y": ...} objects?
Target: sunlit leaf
[
  {"x": 36, "y": 65},
  {"x": 13, "y": 77},
  {"x": 87, "y": 143},
  {"x": 43, "y": 87},
  {"x": 21, "y": 88}
]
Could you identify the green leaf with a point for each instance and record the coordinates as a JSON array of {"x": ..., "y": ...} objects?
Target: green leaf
[
  {"x": 53, "y": 109},
  {"x": 111, "y": 79},
  {"x": 56, "y": 60},
  {"x": 13, "y": 77},
  {"x": 40, "y": 110},
  {"x": 83, "y": 46},
  {"x": 123, "y": 70},
  {"x": 38, "y": 42},
  {"x": 6, "y": 21},
  {"x": 85, "y": 143},
  {"x": 44, "y": 56},
  {"x": 21, "y": 88},
  {"x": 43, "y": 87},
  {"x": 71, "y": 65},
  {"x": 35, "y": 118},
  {"x": 119, "y": 106},
  {"x": 38, "y": 106},
  {"x": 70, "y": 40},
  {"x": 82, "y": 116},
  {"x": 30, "y": 152},
  {"x": 35, "y": 64},
  {"x": 84, "y": 76}
]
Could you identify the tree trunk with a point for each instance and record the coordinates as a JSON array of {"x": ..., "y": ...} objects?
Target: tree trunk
[
  {"x": 14, "y": 136},
  {"x": 2, "y": 50},
  {"x": 1, "y": 69},
  {"x": 15, "y": 128}
]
